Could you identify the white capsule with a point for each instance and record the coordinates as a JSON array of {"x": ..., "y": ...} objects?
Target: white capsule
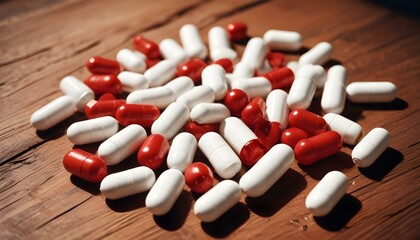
[
  {"x": 219, "y": 44},
  {"x": 334, "y": 94},
  {"x": 277, "y": 108},
  {"x": 92, "y": 130},
  {"x": 220, "y": 155},
  {"x": 171, "y": 120},
  {"x": 283, "y": 40},
  {"x": 254, "y": 53},
  {"x": 204, "y": 113},
  {"x": 217, "y": 201},
  {"x": 242, "y": 70},
  {"x": 303, "y": 88},
  {"x": 199, "y": 94},
  {"x": 327, "y": 193},
  {"x": 265, "y": 68},
  {"x": 253, "y": 87},
  {"x": 131, "y": 60},
  {"x": 172, "y": 51},
  {"x": 53, "y": 113},
  {"x": 371, "y": 92},
  {"x": 320, "y": 75},
  {"x": 214, "y": 76},
  {"x": 236, "y": 133},
  {"x": 192, "y": 41},
  {"x": 75, "y": 88},
  {"x": 180, "y": 85},
  {"x": 165, "y": 192},
  {"x": 182, "y": 151},
  {"x": 128, "y": 182},
  {"x": 294, "y": 66},
  {"x": 132, "y": 81},
  {"x": 350, "y": 131},
  {"x": 319, "y": 54},
  {"x": 267, "y": 170},
  {"x": 371, "y": 147},
  {"x": 122, "y": 144},
  {"x": 160, "y": 97},
  {"x": 160, "y": 73}
]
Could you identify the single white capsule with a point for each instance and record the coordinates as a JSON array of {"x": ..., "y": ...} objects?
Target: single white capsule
[
  {"x": 371, "y": 92},
  {"x": 320, "y": 75},
  {"x": 283, "y": 40},
  {"x": 371, "y": 147},
  {"x": 160, "y": 73},
  {"x": 209, "y": 113},
  {"x": 160, "y": 97},
  {"x": 75, "y": 88},
  {"x": 131, "y": 60},
  {"x": 199, "y": 94},
  {"x": 254, "y": 53},
  {"x": 182, "y": 151},
  {"x": 92, "y": 130},
  {"x": 319, "y": 54},
  {"x": 192, "y": 41},
  {"x": 132, "y": 81},
  {"x": 180, "y": 85},
  {"x": 214, "y": 76},
  {"x": 334, "y": 94},
  {"x": 171, "y": 120},
  {"x": 172, "y": 51},
  {"x": 219, "y": 44},
  {"x": 277, "y": 108},
  {"x": 242, "y": 70},
  {"x": 350, "y": 131},
  {"x": 253, "y": 87},
  {"x": 303, "y": 89},
  {"x": 294, "y": 66}
]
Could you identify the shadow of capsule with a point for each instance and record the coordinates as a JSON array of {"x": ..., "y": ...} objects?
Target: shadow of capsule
[
  {"x": 387, "y": 161},
  {"x": 128, "y": 203},
  {"x": 92, "y": 188},
  {"x": 331, "y": 63},
  {"x": 396, "y": 104},
  {"x": 61, "y": 128}
]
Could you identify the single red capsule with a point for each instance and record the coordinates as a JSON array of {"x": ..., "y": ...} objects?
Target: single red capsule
[
  {"x": 236, "y": 100},
  {"x": 237, "y": 31},
  {"x": 100, "y": 65},
  {"x": 226, "y": 63},
  {"x": 153, "y": 151},
  {"x": 307, "y": 121},
  {"x": 281, "y": 78},
  {"x": 198, "y": 130},
  {"x": 95, "y": 109},
  {"x": 268, "y": 133},
  {"x": 147, "y": 47},
  {"x": 192, "y": 69},
  {"x": 141, "y": 114},
  {"x": 311, "y": 150},
  {"x": 85, "y": 165},
  {"x": 101, "y": 84},
  {"x": 293, "y": 135},
  {"x": 254, "y": 112},
  {"x": 276, "y": 59},
  {"x": 198, "y": 177},
  {"x": 106, "y": 97}
]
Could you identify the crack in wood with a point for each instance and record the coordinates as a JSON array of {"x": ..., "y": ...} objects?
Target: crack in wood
[{"x": 14, "y": 60}]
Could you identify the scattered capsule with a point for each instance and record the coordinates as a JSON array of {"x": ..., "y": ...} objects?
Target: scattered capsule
[
  {"x": 236, "y": 100},
  {"x": 132, "y": 60},
  {"x": 371, "y": 147},
  {"x": 209, "y": 113},
  {"x": 101, "y": 84},
  {"x": 254, "y": 112},
  {"x": 226, "y": 63},
  {"x": 294, "y": 66},
  {"x": 54, "y": 112},
  {"x": 95, "y": 109},
  {"x": 219, "y": 44},
  {"x": 153, "y": 151},
  {"x": 350, "y": 131},
  {"x": 283, "y": 40},
  {"x": 303, "y": 88},
  {"x": 171, "y": 120},
  {"x": 254, "y": 53},
  {"x": 172, "y": 51},
  {"x": 281, "y": 78},
  {"x": 268, "y": 133},
  {"x": 100, "y": 65},
  {"x": 198, "y": 177},
  {"x": 160, "y": 97},
  {"x": 307, "y": 121},
  {"x": 132, "y": 81},
  {"x": 85, "y": 165},
  {"x": 242, "y": 70},
  {"x": 320, "y": 75},
  {"x": 182, "y": 151},
  {"x": 334, "y": 94},
  {"x": 76, "y": 89},
  {"x": 199, "y": 94},
  {"x": 237, "y": 31},
  {"x": 160, "y": 73},
  {"x": 214, "y": 77},
  {"x": 276, "y": 59},
  {"x": 319, "y": 54},
  {"x": 141, "y": 114},
  {"x": 198, "y": 130},
  {"x": 371, "y": 92},
  {"x": 291, "y": 136},
  {"x": 313, "y": 149},
  {"x": 92, "y": 130},
  {"x": 192, "y": 69},
  {"x": 147, "y": 47},
  {"x": 180, "y": 85},
  {"x": 277, "y": 109},
  {"x": 192, "y": 41},
  {"x": 107, "y": 97},
  {"x": 254, "y": 87}
]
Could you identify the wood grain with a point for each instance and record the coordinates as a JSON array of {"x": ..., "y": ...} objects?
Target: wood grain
[{"x": 42, "y": 41}]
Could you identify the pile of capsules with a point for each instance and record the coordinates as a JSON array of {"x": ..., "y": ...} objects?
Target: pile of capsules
[{"x": 236, "y": 112}]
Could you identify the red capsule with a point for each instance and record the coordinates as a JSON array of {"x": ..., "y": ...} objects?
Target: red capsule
[
  {"x": 198, "y": 177},
  {"x": 106, "y": 97},
  {"x": 85, "y": 165},
  {"x": 281, "y": 78},
  {"x": 198, "y": 130},
  {"x": 307, "y": 121},
  {"x": 153, "y": 151},
  {"x": 192, "y": 69},
  {"x": 147, "y": 47},
  {"x": 276, "y": 59},
  {"x": 95, "y": 109},
  {"x": 236, "y": 100},
  {"x": 226, "y": 63},
  {"x": 151, "y": 62},
  {"x": 292, "y": 136},
  {"x": 268, "y": 133},
  {"x": 237, "y": 31},
  {"x": 311, "y": 150},
  {"x": 100, "y": 65},
  {"x": 101, "y": 84},
  {"x": 254, "y": 112},
  {"x": 141, "y": 114}
]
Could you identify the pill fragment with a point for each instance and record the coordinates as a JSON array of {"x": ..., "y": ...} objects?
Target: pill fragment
[{"x": 85, "y": 165}]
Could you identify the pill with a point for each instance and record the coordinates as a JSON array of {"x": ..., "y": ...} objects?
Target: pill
[
  {"x": 334, "y": 94},
  {"x": 371, "y": 92},
  {"x": 192, "y": 68},
  {"x": 132, "y": 60},
  {"x": 180, "y": 85},
  {"x": 281, "y": 78},
  {"x": 100, "y": 65},
  {"x": 95, "y": 109},
  {"x": 160, "y": 73},
  {"x": 141, "y": 114},
  {"x": 268, "y": 133},
  {"x": 267, "y": 171},
  {"x": 122, "y": 144},
  {"x": 326, "y": 194},
  {"x": 212, "y": 204},
  {"x": 101, "y": 84},
  {"x": 236, "y": 100},
  {"x": 320, "y": 75},
  {"x": 291, "y": 136},
  {"x": 153, "y": 151},
  {"x": 107, "y": 97},
  {"x": 199, "y": 94},
  {"x": 237, "y": 31},
  {"x": 313, "y": 149},
  {"x": 283, "y": 40},
  {"x": 294, "y": 66},
  {"x": 254, "y": 53},
  {"x": 147, "y": 47},
  {"x": 182, "y": 151},
  {"x": 243, "y": 141},
  {"x": 165, "y": 192},
  {"x": 92, "y": 130},
  {"x": 209, "y": 113},
  {"x": 276, "y": 107},
  {"x": 219, "y": 44},
  {"x": 370, "y": 147},
  {"x": 307, "y": 121},
  {"x": 171, "y": 120},
  {"x": 127, "y": 183},
  {"x": 132, "y": 81},
  {"x": 54, "y": 112},
  {"x": 172, "y": 51},
  {"x": 160, "y": 97},
  {"x": 254, "y": 112},
  {"x": 317, "y": 55},
  {"x": 198, "y": 177},
  {"x": 350, "y": 131},
  {"x": 253, "y": 87},
  {"x": 242, "y": 70},
  {"x": 303, "y": 88},
  {"x": 76, "y": 89},
  {"x": 198, "y": 130},
  {"x": 85, "y": 165},
  {"x": 226, "y": 63},
  {"x": 276, "y": 59},
  {"x": 192, "y": 41},
  {"x": 214, "y": 77},
  {"x": 220, "y": 155}
]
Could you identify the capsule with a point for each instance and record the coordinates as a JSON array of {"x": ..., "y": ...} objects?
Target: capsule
[
  {"x": 283, "y": 40},
  {"x": 193, "y": 69},
  {"x": 265, "y": 68},
  {"x": 350, "y": 131},
  {"x": 107, "y": 97},
  {"x": 236, "y": 100},
  {"x": 172, "y": 51},
  {"x": 76, "y": 89},
  {"x": 182, "y": 151},
  {"x": 243, "y": 141},
  {"x": 307, "y": 121},
  {"x": 54, "y": 112},
  {"x": 199, "y": 94},
  {"x": 327, "y": 193},
  {"x": 294, "y": 66},
  {"x": 211, "y": 205},
  {"x": 267, "y": 170},
  {"x": 192, "y": 42},
  {"x": 180, "y": 85},
  {"x": 371, "y": 147},
  {"x": 199, "y": 177},
  {"x": 147, "y": 47},
  {"x": 219, "y": 44},
  {"x": 92, "y": 130},
  {"x": 226, "y": 63},
  {"x": 132, "y": 81},
  {"x": 220, "y": 155},
  {"x": 237, "y": 31},
  {"x": 85, "y": 165},
  {"x": 160, "y": 97},
  {"x": 276, "y": 59},
  {"x": 268, "y": 133},
  {"x": 281, "y": 78},
  {"x": 141, "y": 114},
  {"x": 122, "y": 144},
  {"x": 291, "y": 136},
  {"x": 101, "y": 84},
  {"x": 132, "y": 60},
  {"x": 254, "y": 53},
  {"x": 153, "y": 151},
  {"x": 242, "y": 70},
  {"x": 95, "y": 109},
  {"x": 100, "y": 65},
  {"x": 313, "y": 149},
  {"x": 209, "y": 113},
  {"x": 254, "y": 112},
  {"x": 171, "y": 120},
  {"x": 276, "y": 107},
  {"x": 371, "y": 92},
  {"x": 303, "y": 89},
  {"x": 160, "y": 73},
  {"x": 214, "y": 77},
  {"x": 317, "y": 55},
  {"x": 127, "y": 183},
  {"x": 198, "y": 130},
  {"x": 320, "y": 76},
  {"x": 165, "y": 192},
  {"x": 254, "y": 87},
  {"x": 334, "y": 94}
]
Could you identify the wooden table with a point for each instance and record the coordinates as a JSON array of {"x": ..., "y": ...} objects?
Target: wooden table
[{"x": 43, "y": 41}]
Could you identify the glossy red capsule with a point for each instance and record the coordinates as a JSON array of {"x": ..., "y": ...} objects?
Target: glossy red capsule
[
  {"x": 237, "y": 31},
  {"x": 311, "y": 150},
  {"x": 292, "y": 136},
  {"x": 151, "y": 62},
  {"x": 153, "y": 151},
  {"x": 95, "y": 109},
  {"x": 307, "y": 121},
  {"x": 100, "y": 65},
  {"x": 268, "y": 133},
  {"x": 198, "y": 177},
  {"x": 85, "y": 165},
  {"x": 276, "y": 59},
  {"x": 147, "y": 47},
  {"x": 254, "y": 112},
  {"x": 236, "y": 100},
  {"x": 226, "y": 63},
  {"x": 106, "y": 97},
  {"x": 101, "y": 84},
  {"x": 198, "y": 130},
  {"x": 142, "y": 114},
  {"x": 192, "y": 69},
  {"x": 281, "y": 78}
]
